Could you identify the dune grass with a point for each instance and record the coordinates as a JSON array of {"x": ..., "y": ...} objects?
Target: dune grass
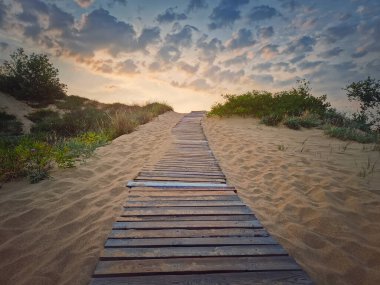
[{"x": 65, "y": 138}]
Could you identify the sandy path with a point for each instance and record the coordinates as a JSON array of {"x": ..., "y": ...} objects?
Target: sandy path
[
  {"x": 52, "y": 232},
  {"x": 306, "y": 190}
]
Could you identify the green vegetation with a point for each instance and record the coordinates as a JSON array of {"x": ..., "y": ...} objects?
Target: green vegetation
[
  {"x": 298, "y": 108},
  {"x": 68, "y": 131}
]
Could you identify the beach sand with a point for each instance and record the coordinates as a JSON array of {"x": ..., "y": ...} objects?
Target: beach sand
[
  {"x": 52, "y": 232},
  {"x": 313, "y": 193},
  {"x": 304, "y": 187}
]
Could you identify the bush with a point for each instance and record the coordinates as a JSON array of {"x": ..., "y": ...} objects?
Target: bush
[
  {"x": 310, "y": 121},
  {"x": 271, "y": 120},
  {"x": 32, "y": 78},
  {"x": 345, "y": 133},
  {"x": 9, "y": 125},
  {"x": 293, "y": 123}
]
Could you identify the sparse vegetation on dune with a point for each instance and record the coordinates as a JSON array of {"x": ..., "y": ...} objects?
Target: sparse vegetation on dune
[
  {"x": 298, "y": 108},
  {"x": 66, "y": 132}
]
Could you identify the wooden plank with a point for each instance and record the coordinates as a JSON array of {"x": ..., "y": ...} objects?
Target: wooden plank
[
  {"x": 242, "y": 278},
  {"x": 178, "y": 193},
  {"x": 174, "y": 184},
  {"x": 206, "y": 241},
  {"x": 198, "y": 251},
  {"x": 187, "y": 225},
  {"x": 187, "y": 218},
  {"x": 170, "y": 210},
  {"x": 194, "y": 265},
  {"x": 180, "y": 179},
  {"x": 184, "y": 198},
  {"x": 177, "y": 203},
  {"x": 181, "y": 174}
]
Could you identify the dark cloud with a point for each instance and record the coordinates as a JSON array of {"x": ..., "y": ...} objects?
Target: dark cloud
[
  {"x": 301, "y": 45},
  {"x": 196, "y": 5},
  {"x": 265, "y": 32},
  {"x": 240, "y": 59},
  {"x": 155, "y": 66},
  {"x": 3, "y": 46},
  {"x": 148, "y": 36},
  {"x": 3, "y": 13},
  {"x": 297, "y": 58},
  {"x": 265, "y": 66},
  {"x": 226, "y": 13},
  {"x": 289, "y": 4},
  {"x": 169, "y": 54},
  {"x": 309, "y": 64},
  {"x": 59, "y": 19},
  {"x": 283, "y": 66},
  {"x": 209, "y": 49},
  {"x": 181, "y": 38},
  {"x": 331, "y": 52},
  {"x": 188, "y": 67},
  {"x": 170, "y": 16},
  {"x": 373, "y": 68},
  {"x": 263, "y": 12},
  {"x": 127, "y": 66},
  {"x": 262, "y": 78},
  {"x": 243, "y": 38},
  {"x": 199, "y": 84},
  {"x": 344, "y": 66},
  {"x": 268, "y": 51},
  {"x": 359, "y": 54},
  {"x": 217, "y": 75},
  {"x": 335, "y": 33},
  {"x": 112, "y": 3}
]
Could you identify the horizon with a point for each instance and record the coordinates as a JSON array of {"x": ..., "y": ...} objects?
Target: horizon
[{"x": 189, "y": 53}]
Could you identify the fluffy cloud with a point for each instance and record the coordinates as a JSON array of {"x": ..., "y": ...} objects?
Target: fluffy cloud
[
  {"x": 183, "y": 37},
  {"x": 309, "y": 64},
  {"x": 239, "y": 59},
  {"x": 127, "y": 66},
  {"x": 169, "y": 54},
  {"x": 269, "y": 51},
  {"x": 209, "y": 49},
  {"x": 226, "y": 13},
  {"x": 148, "y": 36},
  {"x": 331, "y": 52},
  {"x": 188, "y": 68},
  {"x": 196, "y": 5},
  {"x": 265, "y": 32},
  {"x": 170, "y": 16},
  {"x": 300, "y": 45},
  {"x": 263, "y": 12},
  {"x": 84, "y": 3},
  {"x": 336, "y": 33},
  {"x": 243, "y": 38}
]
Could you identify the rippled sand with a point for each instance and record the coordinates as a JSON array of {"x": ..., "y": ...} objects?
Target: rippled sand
[
  {"x": 52, "y": 232},
  {"x": 309, "y": 192}
]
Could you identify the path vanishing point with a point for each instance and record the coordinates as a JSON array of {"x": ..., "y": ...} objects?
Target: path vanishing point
[{"x": 183, "y": 224}]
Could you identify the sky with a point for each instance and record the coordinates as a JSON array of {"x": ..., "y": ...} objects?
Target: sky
[{"x": 188, "y": 52}]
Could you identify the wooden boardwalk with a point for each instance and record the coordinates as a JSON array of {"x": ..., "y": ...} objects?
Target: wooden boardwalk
[{"x": 182, "y": 224}]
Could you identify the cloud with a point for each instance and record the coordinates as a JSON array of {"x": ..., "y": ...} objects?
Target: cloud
[
  {"x": 128, "y": 66},
  {"x": 188, "y": 68},
  {"x": 265, "y": 66},
  {"x": 226, "y": 13},
  {"x": 265, "y": 32},
  {"x": 300, "y": 45},
  {"x": 199, "y": 84},
  {"x": 335, "y": 33},
  {"x": 262, "y": 78},
  {"x": 240, "y": 59},
  {"x": 196, "y": 5},
  {"x": 289, "y": 4},
  {"x": 181, "y": 38},
  {"x": 209, "y": 49},
  {"x": 243, "y": 38},
  {"x": 269, "y": 51},
  {"x": 3, "y": 13},
  {"x": 283, "y": 66},
  {"x": 3, "y": 46},
  {"x": 331, "y": 52},
  {"x": 148, "y": 36},
  {"x": 169, "y": 54},
  {"x": 112, "y": 3},
  {"x": 170, "y": 16},
  {"x": 344, "y": 66},
  {"x": 359, "y": 53},
  {"x": 263, "y": 12},
  {"x": 297, "y": 58},
  {"x": 155, "y": 66},
  {"x": 221, "y": 76},
  {"x": 84, "y": 3},
  {"x": 309, "y": 64}
]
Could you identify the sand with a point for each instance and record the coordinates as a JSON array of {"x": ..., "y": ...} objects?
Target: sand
[
  {"x": 303, "y": 186},
  {"x": 53, "y": 232},
  {"x": 316, "y": 195}
]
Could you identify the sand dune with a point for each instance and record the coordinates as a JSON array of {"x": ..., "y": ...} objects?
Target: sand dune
[
  {"x": 52, "y": 232},
  {"x": 315, "y": 194}
]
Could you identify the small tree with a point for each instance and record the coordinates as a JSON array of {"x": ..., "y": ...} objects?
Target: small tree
[
  {"x": 32, "y": 78},
  {"x": 367, "y": 92}
]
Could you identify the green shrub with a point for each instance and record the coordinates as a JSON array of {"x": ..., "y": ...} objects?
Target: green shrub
[
  {"x": 72, "y": 102},
  {"x": 32, "y": 78},
  {"x": 42, "y": 115},
  {"x": 271, "y": 120},
  {"x": 293, "y": 123},
  {"x": 9, "y": 125},
  {"x": 310, "y": 121},
  {"x": 345, "y": 133}
]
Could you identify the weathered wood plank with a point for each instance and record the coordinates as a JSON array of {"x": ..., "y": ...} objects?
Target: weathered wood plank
[
  {"x": 202, "y": 203},
  {"x": 184, "y": 198},
  {"x": 187, "y": 218},
  {"x": 206, "y": 241},
  {"x": 181, "y": 174},
  {"x": 198, "y": 251},
  {"x": 217, "y": 210},
  {"x": 166, "y": 192},
  {"x": 174, "y": 184},
  {"x": 194, "y": 265},
  {"x": 242, "y": 278},
  {"x": 140, "y": 178},
  {"x": 187, "y": 225}
]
